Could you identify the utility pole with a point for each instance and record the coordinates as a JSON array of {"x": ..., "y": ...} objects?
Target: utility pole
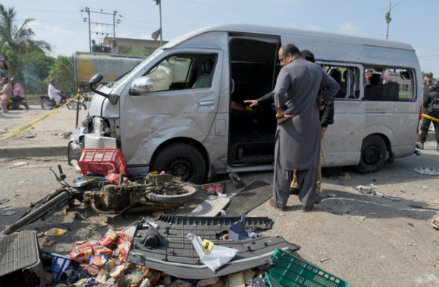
[
  {"x": 159, "y": 2},
  {"x": 89, "y": 29},
  {"x": 114, "y": 25},
  {"x": 387, "y": 17}
]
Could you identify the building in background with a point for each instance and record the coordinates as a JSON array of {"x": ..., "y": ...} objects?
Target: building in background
[{"x": 128, "y": 46}]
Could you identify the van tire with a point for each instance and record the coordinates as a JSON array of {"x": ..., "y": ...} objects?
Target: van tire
[
  {"x": 373, "y": 154},
  {"x": 183, "y": 160}
]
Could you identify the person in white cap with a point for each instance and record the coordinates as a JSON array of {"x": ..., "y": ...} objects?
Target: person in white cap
[{"x": 53, "y": 92}]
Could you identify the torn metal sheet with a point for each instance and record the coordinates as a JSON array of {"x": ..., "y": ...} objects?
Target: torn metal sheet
[
  {"x": 176, "y": 256},
  {"x": 426, "y": 170}
]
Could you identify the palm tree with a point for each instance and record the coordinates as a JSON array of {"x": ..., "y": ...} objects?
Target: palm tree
[{"x": 19, "y": 39}]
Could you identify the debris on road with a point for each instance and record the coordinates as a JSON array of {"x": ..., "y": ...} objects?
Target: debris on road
[
  {"x": 28, "y": 135},
  {"x": 55, "y": 232},
  {"x": 7, "y": 213},
  {"x": 4, "y": 200},
  {"x": 324, "y": 259},
  {"x": 426, "y": 170},
  {"x": 371, "y": 189},
  {"x": 239, "y": 183},
  {"x": 18, "y": 164}
]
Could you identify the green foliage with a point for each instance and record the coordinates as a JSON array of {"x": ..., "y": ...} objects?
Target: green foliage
[
  {"x": 13, "y": 58},
  {"x": 62, "y": 72},
  {"x": 19, "y": 39},
  {"x": 36, "y": 68}
]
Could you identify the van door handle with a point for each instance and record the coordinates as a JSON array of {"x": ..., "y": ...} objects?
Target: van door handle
[{"x": 206, "y": 103}]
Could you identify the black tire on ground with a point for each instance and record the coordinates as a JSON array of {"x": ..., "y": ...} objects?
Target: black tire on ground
[
  {"x": 47, "y": 105},
  {"x": 373, "y": 154},
  {"x": 183, "y": 160},
  {"x": 38, "y": 213},
  {"x": 173, "y": 198}
]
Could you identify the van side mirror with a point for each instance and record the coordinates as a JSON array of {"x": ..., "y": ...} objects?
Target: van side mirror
[
  {"x": 95, "y": 79},
  {"x": 141, "y": 86}
]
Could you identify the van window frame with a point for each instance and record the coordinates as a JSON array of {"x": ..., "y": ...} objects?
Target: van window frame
[
  {"x": 359, "y": 66},
  {"x": 189, "y": 70},
  {"x": 414, "y": 81}
]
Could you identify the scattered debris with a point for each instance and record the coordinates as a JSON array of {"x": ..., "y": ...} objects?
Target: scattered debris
[
  {"x": 48, "y": 242},
  {"x": 210, "y": 207},
  {"x": 345, "y": 176},
  {"x": 7, "y": 213},
  {"x": 239, "y": 183},
  {"x": 18, "y": 164},
  {"x": 61, "y": 212},
  {"x": 324, "y": 259},
  {"x": 426, "y": 170},
  {"x": 424, "y": 187},
  {"x": 332, "y": 195},
  {"x": 411, "y": 224},
  {"x": 28, "y": 135},
  {"x": 55, "y": 232},
  {"x": 402, "y": 191},
  {"x": 4, "y": 200},
  {"x": 21, "y": 181},
  {"x": 66, "y": 135},
  {"x": 366, "y": 189}
]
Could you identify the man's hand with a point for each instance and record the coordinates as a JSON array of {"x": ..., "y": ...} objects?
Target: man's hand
[
  {"x": 286, "y": 117},
  {"x": 252, "y": 102},
  {"x": 323, "y": 134}
]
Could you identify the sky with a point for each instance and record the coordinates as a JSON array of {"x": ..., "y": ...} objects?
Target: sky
[{"x": 61, "y": 23}]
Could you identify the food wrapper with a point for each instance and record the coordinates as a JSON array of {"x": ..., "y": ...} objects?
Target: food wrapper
[
  {"x": 92, "y": 270},
  {"x": 61, "y": 212},
  {"x": 114, "y": 178},
  {"x": 91, "y": 244},
  {"x": 153, "y": 275},
  {"x": 109, "y": 240},
  {"x": 98, "y": 261},
  {"x": 55, "y": 232},
  {"x": 101, "y": 250},
  {"x": 123, "y": 238},
  {"x": 215, "y": 189},
  {"x": 81, "y": 254}
]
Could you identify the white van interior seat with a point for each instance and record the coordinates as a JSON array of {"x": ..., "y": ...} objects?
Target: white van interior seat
[
  {"x": 203, "y": 81},
  {"x": 336, "y": 75}
]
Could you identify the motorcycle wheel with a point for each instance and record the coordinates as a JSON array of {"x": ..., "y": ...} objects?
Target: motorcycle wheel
[
  {"x": 173, "y": 198},
  {"x": 38, "y": 213},
  {"x": 47, "y": 105},
  {"x": 72, "y": 105}
]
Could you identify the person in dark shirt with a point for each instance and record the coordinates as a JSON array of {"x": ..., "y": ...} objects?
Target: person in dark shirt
[{"x": 431, "y": 113}]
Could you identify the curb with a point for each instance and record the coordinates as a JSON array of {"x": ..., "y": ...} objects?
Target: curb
[{"x": 32, "y": 151}]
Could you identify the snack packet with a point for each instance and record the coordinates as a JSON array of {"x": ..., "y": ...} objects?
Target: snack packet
[
  {"x": 98, "y": 261},
  {"x": 101, "y": 250},
  {"x": 81, "y": 254},
  {"x": 109, "y": 240}
]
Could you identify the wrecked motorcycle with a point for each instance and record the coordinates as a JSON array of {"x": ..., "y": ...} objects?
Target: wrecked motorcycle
[{"x": 157, "y": 192}]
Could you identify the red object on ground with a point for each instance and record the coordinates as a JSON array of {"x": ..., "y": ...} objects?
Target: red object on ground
[{"x": 102, "y": 161}]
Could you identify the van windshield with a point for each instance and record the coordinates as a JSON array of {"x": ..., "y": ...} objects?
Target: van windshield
[{"x": 138, "y": 67}]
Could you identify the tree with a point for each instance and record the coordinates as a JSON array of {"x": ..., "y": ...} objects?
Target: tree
[
  {"x": 36, "y": 68},
  {"x": 19, "y": 39},
  {"x": 62, "y": 72},
  {"x": 16, "y": 65}
]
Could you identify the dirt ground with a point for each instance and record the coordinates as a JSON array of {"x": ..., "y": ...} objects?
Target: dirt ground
[
  {"x": 47, "y": 132},
  {"x": 369, "y": 240}
]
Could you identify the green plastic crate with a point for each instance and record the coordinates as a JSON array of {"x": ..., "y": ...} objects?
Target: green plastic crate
[{"x": 290, "y": 271}]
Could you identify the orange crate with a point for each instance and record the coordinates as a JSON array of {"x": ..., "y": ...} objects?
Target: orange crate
[{"x": 102, "y": 161}]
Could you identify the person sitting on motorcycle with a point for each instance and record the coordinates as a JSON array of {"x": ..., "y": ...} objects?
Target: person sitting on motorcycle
[
  {"x": 18, "y": 92},
  {"x": 53, "y": 92}
]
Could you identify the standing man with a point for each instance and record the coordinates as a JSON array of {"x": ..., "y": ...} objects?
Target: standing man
[
  {"x": 18, "y": 91},
  {"x": 426, "y": 122},
  {"x": 431, "y": 113},
  {"x": 297, "y": 145},
  {"x": 5, "y": 94},
  {"x": 53, "y": 92},
  {"x": 326, "y": 118}
]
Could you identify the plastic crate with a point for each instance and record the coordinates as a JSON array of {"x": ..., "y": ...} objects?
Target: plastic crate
[
  {"x": 102, "y": 161},
  {"x": 290, "y": 271}
]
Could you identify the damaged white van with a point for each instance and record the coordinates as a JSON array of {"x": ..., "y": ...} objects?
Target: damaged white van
[{"x": 182, "y": 109}]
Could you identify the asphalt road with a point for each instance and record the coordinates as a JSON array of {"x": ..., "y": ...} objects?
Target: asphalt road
[{"x": 369, "y": 240}]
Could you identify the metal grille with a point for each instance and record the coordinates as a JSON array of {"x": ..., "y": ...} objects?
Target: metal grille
[{"x": 18, "y": 251}]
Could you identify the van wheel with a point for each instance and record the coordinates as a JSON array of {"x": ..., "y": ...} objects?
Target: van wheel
[
  {"x": 373, "y": 154},
  {"x": 181, "y": 160}
]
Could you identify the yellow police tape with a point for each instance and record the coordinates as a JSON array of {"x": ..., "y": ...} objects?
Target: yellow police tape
[
  {"x": 430, "y": 118},
  {"x": 31, "y": 124}
]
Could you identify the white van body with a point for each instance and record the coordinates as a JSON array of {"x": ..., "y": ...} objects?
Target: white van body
[{"x": 143, "y": 125}]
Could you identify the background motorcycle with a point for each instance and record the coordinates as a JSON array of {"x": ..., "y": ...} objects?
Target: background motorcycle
[
  {"x": 19, "y": 103},
  {"x": 48, "y": 104},
  {"x": 73, "y": 104}
]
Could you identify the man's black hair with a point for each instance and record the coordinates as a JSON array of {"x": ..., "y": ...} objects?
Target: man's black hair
[
  {"x": 308, "y": 55},
  {"x": 290, "y": 49}
]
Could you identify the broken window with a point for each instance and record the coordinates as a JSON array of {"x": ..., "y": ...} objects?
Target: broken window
[
  {"x": 348, "y": 79},
  {"x": 388, "y": 84},
  {"x": 180, "y": 72}
]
